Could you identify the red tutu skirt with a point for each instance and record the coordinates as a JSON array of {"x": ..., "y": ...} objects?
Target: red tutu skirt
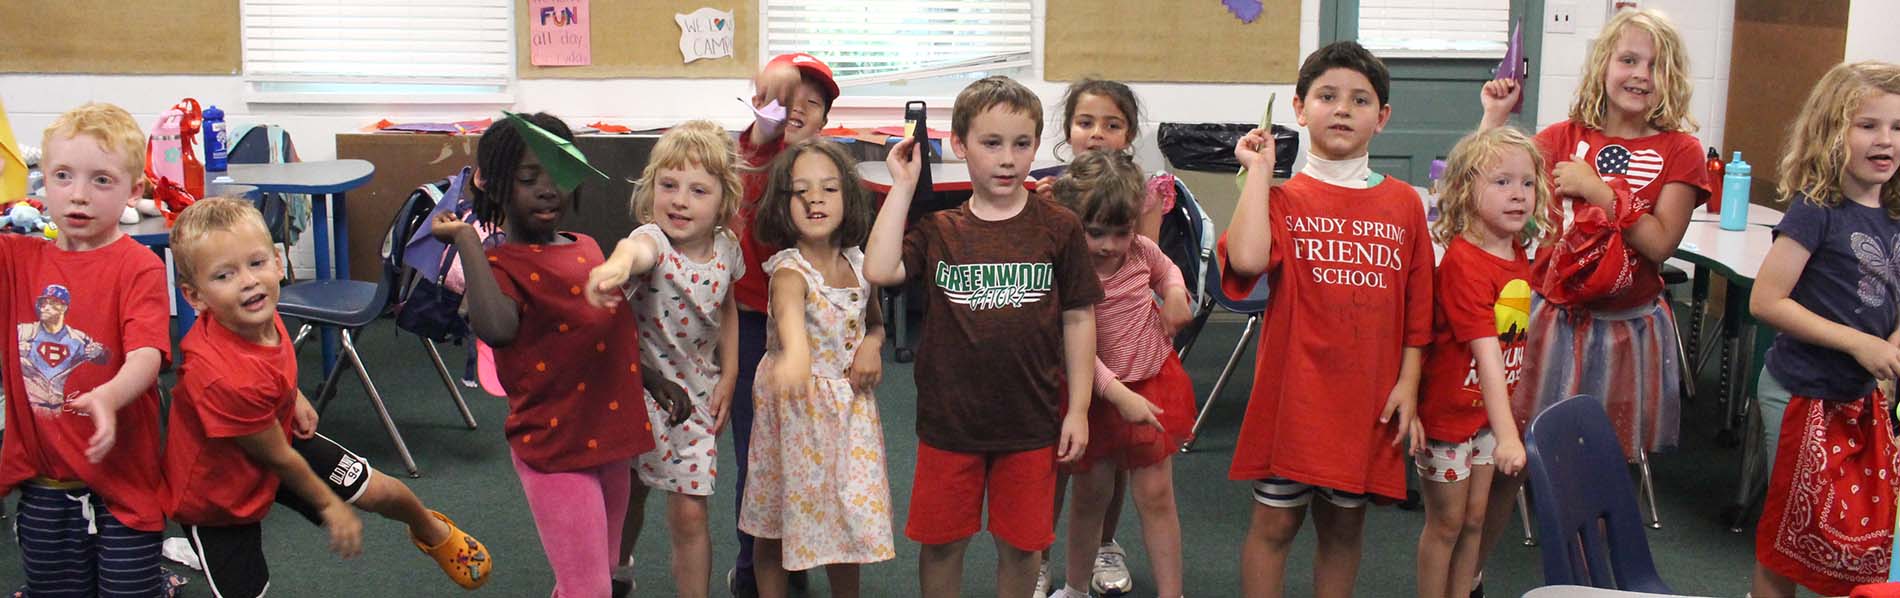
[
  {"x": 1132, "y": 446},
  {"x": 1828, "y": 520}
]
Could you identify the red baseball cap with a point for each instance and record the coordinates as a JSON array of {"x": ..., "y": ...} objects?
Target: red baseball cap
[{"x": 809, "y": 64}]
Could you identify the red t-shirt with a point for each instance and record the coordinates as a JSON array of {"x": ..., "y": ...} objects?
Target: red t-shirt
[
  {"x": 101, "y": 305},
  {"x": 573, "y": 372},
  {"x": 1647, "y": 164},
  {"x": 1478, "y": 295},
  {"x": 1351, "y": 275},
  {"x": 751, "y": 288},
  {"x": 227, "y": 387}
]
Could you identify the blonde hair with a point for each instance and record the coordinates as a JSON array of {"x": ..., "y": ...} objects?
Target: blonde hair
[
  {"x": 1816, "y": 151},
  {"x": 207, "y": 216},
  {"x": 1458, "y": 206},
  {"x": 112, "y": 127},
  {"x": 1103, "y": 187},
  {"x": 694, "y": 144},
  {"x": 1671, "y": 75}
]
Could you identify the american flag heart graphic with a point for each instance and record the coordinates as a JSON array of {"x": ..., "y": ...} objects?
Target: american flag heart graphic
[{"x": 1636, "y": 168}]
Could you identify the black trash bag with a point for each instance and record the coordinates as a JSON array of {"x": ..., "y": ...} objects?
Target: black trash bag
[{"x": 1210, "y": 146}]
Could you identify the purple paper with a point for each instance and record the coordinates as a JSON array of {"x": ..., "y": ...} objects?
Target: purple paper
[
  {"x": 1513, "y": 66},
  {"x": 1245, "y": 10}
]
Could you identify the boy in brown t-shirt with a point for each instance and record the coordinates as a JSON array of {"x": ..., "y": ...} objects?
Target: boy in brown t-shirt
[{"x": 999, "y": 272}]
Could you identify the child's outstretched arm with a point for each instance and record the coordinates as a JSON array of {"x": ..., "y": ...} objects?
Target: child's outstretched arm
[
  {"x": 1489, "y": 354},
  {"x": 728, "y": 362},
  {"x": 1402, "y": 403},
  {"x": 632, "y": 256},
  {"x": 1770, "y": 303},
  {"x": 1497, "y": 98},
  {"x": 1250, "y": 235},
  {"x": 269, "y": 448},
  {"x": 884, "y": 252},
  {"x": 791, "y": 374},
  {"x": 1078, "y": 363},
  {"x": 867, "y": 363},
  {"x": 102, "y": 403},
  {"x": 493, "y": 315}
]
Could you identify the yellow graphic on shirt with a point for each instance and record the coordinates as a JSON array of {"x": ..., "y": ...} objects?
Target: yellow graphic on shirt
[{"x": 1513, "y": 310}]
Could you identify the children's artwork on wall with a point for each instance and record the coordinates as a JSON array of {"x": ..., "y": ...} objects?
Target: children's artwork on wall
[
  {"x": 705, "y": 33},
  {"x": 559, "y": 33}
]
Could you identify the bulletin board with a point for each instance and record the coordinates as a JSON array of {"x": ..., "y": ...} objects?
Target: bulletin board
[
  {"x": 1769, "y": 78},
  {"x": 187, "y": 37},
  {"x": 639, "y": 39},
  {"x": 1144, "y": 40}
]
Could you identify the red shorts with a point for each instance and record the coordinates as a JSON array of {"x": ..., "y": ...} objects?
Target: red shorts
[
  {"x": 1130, "y": 446},
  {"x": 946, "y": 498}
]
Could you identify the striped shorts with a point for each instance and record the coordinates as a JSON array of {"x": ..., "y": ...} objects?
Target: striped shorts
[
  {"x": 70, "y": 545},
  {"x": 1283, "y": 493}
]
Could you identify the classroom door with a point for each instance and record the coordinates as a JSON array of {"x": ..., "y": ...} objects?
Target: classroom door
[{"x": 1434, "y": 100}]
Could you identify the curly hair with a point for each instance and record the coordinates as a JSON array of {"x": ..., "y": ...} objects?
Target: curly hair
[
  {"x": 1816, "y": 150},
  {"x": 1592, "y": 105},
  {"x": 700, "y": 144},
  {"x": 1458, "y": 205},
  {"x": 498, "y": 156},
  {"x": 774, "y": 226},
  {"x": 1103, "y": 187}
]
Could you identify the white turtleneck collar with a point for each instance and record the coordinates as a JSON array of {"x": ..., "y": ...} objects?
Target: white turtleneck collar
[{"x": 1350, "y": 173}]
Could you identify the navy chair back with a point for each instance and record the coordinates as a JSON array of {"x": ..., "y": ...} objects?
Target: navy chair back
[{"x": 1591, "y": 531}]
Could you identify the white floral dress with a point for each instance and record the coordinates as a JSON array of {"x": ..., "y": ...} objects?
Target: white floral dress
[
  {"x": 817, "y": 478},
  {"x": 677, "y": 307}
]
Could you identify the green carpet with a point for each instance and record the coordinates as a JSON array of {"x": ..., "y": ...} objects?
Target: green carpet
[{"x": 467, "y": 475}]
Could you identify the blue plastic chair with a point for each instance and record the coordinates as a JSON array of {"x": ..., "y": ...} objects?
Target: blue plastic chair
[
  {"x": 349, "y": 305},
  {"x": 1254, "y": 305},
  {"x": 1591, "y": 529}
]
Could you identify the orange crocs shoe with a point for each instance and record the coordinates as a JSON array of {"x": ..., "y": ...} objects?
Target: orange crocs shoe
[{"x": 461, "y": 556}]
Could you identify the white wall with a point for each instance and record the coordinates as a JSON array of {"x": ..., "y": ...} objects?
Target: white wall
[
  {"x": 1870, "y": 31},
  {"x": 1706, "y": 27}
]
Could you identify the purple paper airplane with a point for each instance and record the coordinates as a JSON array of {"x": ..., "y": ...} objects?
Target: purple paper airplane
[
  {"x": 1245, "y": 10},
  {"x": 1514, "y": 66}
]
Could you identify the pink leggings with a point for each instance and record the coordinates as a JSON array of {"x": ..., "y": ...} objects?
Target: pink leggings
[{"x": 579, "y": 515}]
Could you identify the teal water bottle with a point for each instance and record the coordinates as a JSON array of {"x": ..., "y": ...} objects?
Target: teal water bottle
[{"x": 1735, "y": 183}]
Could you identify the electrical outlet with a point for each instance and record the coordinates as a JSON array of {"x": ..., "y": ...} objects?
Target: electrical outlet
[{"x": 1560, "y": 17}]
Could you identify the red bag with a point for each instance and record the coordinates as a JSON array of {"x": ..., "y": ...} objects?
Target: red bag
[
  {"x": 171, "y": 164},
  {"x": 1591, "y": 261}
]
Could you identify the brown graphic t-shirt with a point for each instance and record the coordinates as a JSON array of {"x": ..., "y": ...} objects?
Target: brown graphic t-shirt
[{"x": 989, "y": 364}]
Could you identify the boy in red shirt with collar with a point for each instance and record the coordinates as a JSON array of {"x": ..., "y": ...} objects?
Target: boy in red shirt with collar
[
  {"x": 88, "y": 319},
  {"x": 242, "y": 436}
]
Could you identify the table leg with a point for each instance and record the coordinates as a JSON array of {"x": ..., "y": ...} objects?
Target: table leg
[{"x": 320, "y": 227}]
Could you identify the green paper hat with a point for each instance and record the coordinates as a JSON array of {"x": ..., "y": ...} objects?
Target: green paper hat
[{"x": 558, "y": 156}]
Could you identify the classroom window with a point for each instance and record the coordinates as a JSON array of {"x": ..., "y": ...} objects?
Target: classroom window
[
  {"x": 1435, "y": 28},
  {"x": 881, "y": 41},
  {"x": 378, "y": 51}
]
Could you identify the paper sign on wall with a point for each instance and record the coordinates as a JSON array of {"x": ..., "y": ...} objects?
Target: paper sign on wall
[
  {"x": 705, "y": 33},
  {"x": 559, "y": 33}
]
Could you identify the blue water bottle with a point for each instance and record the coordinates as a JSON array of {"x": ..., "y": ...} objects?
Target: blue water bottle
[
  {"x": 217, "y": 140},
  {"x": 1735, "y": 183}
]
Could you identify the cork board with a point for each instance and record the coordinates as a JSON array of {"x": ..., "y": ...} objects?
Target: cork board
[
  {"x": 1180, "y": 42},
  {"x": 121, "y": 37},
  {"x": 639, "y": 39},
  {"x": 1769, "y": 78}
]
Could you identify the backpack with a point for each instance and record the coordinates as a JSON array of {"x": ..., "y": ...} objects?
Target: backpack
[{"x": 171, "y": 162}]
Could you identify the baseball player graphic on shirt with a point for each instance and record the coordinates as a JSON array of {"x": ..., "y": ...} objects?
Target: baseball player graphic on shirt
[{"x": 50, "y": 351}]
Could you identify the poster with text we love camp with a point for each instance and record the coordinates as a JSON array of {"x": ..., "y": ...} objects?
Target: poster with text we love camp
[{"x": 559, "y": 33}]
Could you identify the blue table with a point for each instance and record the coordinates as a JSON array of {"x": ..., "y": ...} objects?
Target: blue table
[{"x": 325, "y": 181}]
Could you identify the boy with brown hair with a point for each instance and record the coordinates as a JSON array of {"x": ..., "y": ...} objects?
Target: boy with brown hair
[
  {"x": 88, "y": 318},
  {"x": 994, "y": 414},
  {"x": 243, "y": 437}
]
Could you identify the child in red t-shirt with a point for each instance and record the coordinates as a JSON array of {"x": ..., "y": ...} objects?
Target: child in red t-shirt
[
  {"x": 573, "y": 429},
  {"x": 1337, "y": 376},
  {"x": 1627, "y": 174},
  {"x": 89, "y": 324},
  {"x": 242, "y": 436},
  {"x": 1495, "y": 190}
]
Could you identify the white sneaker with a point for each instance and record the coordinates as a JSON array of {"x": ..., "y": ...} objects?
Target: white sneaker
[
  {"x": 1042, "y": 582},
  {"x": 1111, "y": 571}
]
